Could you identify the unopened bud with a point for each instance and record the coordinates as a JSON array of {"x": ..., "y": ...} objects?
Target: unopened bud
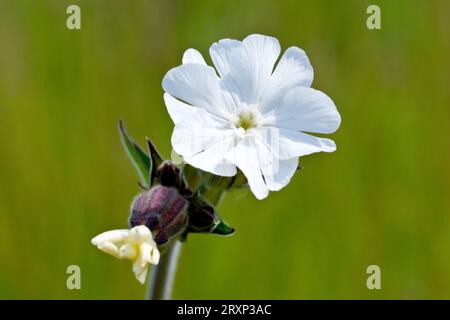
[
  {"x": 163, "y": 210},
  {"x": 169, "y": 175},
  {"x": 204, "y": 218}
]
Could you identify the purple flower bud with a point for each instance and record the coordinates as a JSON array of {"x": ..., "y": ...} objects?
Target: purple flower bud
[
  {"x": 202, "y": 217},
  {"x": 163, "y": 210},
  {"x": 169, "y": 175}
]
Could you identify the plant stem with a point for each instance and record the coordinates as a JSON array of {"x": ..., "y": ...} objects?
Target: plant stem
[{"x": 160, "y": 284}]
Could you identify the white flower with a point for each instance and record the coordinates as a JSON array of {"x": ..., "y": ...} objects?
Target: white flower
[
  {"x": 251, "y": 115},
  {"x": 135, "y": 244}
]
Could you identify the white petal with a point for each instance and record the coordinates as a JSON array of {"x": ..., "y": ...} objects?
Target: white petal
[
  {"x": 201, "y": 138},
  {"x": 128, "y": 251},
  {"x": 212, "y": 158},
  {"x": 198, "y": 85},
  {"x": 193, "y": 56},
  {"x": 145, "y": 253},
  {"x": 287, "y": 144},
  {"x": 246, "y": 67},
  {"x": 204, "y": 147},
  {"x": 264, "y": 49},
  {"x": 197, "y": 130},
  {"x": 307, "y": 110},
  {"x": 154, "y": 256},
  {"x": 109, "y": 248},
  {"x": 293, "y": 70},
  {"x": 245, "y": 157},
  {"x": 110, "y": 236},
  {"x": 154, "y": 252},
  {"x": 177, "y": 109},
  {"x": 224, "y": 54},
  {"x": 278, "y": 179},
  {"x": 139, "y": 234},
  {"x": 277, "y": 173},
  {"x": 140, "y": 271},
  {"x": 142, "y": 275}
]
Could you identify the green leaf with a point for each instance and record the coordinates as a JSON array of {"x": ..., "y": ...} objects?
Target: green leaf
[
  {"x": 223, "y": 229},
  {"x": 141, "y": 161}
]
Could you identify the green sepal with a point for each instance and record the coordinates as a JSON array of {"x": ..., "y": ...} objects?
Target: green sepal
[
  {"x": 223, "y": 229},
  {"x": 183, "y": 236},
  {"x": 156, "y": 158},
  {"x": 140, "y": 160}
]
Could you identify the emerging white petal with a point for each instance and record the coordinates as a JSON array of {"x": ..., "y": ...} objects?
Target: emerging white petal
[
  {"x": 109, "y": 248},
  {"x": 136, "y": 245},
  {"x": 140, "y": 271},
  {"x": 154, "y": 254},
  {"x": 110, "y": 241},
  {"x": 128, "y": 251},
  {"x": 139, "y": 235},
  {"x": 110, "y": 236},
  {"x": 145, "y": 252}
]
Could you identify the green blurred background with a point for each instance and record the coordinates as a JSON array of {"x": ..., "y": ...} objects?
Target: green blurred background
[{"x": 383, "y": 198}]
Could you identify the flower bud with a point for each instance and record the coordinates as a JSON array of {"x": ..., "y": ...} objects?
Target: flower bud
[
  {"x": 161, "y": 209},
  {"x": 204, "y": 218},
  {"x": 169, "y": 175}
]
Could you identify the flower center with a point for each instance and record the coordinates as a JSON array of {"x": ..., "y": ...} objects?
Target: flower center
[{"x": 248, "y": 117}]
